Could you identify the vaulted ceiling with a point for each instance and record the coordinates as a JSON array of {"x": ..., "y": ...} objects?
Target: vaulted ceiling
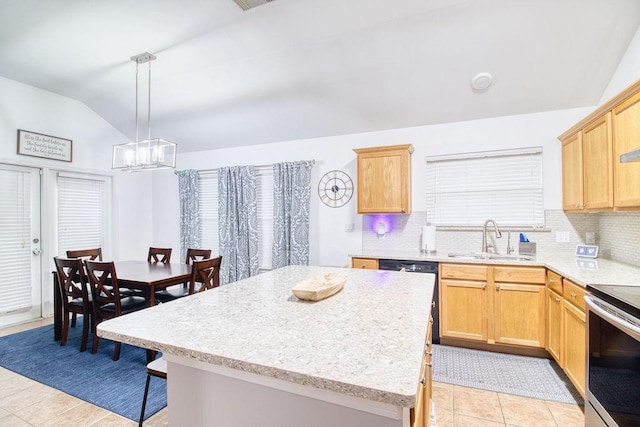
[{"x": 295, "y": 69}]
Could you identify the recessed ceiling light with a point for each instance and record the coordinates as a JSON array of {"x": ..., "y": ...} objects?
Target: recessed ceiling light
[{"x": 481, "y": 81}]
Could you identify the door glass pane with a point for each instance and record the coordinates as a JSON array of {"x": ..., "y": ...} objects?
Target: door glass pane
[{"x": 19, "y": 266}]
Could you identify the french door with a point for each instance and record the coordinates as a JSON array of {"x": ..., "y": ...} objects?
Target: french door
[{"x": 20, "y": 260}]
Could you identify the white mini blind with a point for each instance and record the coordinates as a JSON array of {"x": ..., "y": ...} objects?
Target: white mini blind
[
  {"x": 208, "y": 186},
  {"x": 468, "y": 189},
  {"x": 82, "y": 212},
  {"x": 15, "y": 240},
  {"x": 264, "y": 187}
]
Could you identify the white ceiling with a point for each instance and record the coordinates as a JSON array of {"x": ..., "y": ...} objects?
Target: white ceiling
[{"x": 295, "y": 69}]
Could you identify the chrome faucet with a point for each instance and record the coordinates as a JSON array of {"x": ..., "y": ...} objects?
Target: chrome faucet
[{"x": 485, "y": 245}]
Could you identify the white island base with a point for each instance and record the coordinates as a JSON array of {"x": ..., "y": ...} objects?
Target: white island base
[{"x": 202, "y": 394}]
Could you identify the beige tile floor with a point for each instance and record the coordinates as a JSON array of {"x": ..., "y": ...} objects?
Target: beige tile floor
[{"x": 24, "y": 403}]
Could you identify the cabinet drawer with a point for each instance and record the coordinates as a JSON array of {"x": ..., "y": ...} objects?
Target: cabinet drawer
[
  {"x": 519, "y": 275},
  {"x": 463, "y": 271},
  {"x": 574, "y": 294},
  {"x": 554, "y": 282},
  {"x": 366, "y": 263}
]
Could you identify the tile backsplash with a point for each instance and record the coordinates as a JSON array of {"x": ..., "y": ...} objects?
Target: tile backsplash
[{"x": 617, "y": 234}]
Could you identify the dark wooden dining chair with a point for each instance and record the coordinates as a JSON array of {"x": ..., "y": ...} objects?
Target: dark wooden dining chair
[
  {"x": 84, "y": 254},
  {"x": 175, "y": 292},
  {"x": 205, "y": 275},
  {"x": 156, "y": 368},
  {"x": 197, "y": 255},
  {"x": 74, "y": 293},
  {"x": 107, "y": 300},
  {"x": 162, "y": 255}
]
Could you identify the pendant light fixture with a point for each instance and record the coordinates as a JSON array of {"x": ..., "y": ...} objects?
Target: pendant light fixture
[{"x": 146, "y": 154}]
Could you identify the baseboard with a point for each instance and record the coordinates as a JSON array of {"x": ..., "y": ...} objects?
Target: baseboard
[{"x": 496, "y": 348}]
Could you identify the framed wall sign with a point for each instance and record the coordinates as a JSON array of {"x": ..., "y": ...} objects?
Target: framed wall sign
[{"x": 45, "y": 146}]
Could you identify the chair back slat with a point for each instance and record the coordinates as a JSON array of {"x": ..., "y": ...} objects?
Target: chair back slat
[
  {"x": 104, "y": 284},
  {"x": 162, "y": 255},
  {"x": 72, "y": 281},
  {"x": 205, "y": 275},
  {"x": 197, "y": 255},
  {"x": 90, "y": 254}
]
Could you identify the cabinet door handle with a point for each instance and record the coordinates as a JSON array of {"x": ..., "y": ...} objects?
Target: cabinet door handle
[
  {"x": 573, "y": 294},
  {"x": 557, "y": 299},
  {"x": 497, "y": 288},
  {"x": 484, "y": 286},
  {"x": 552, "y": 281}
]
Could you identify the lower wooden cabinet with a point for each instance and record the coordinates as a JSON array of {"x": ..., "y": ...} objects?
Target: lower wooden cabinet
[
  {"x": 554, "y": 325},
  {"x": 574, "y": 354},
  {"x": 367, "y": 263},
  {"x": 519, "y": 315},
  {"x": 463, "y": 312},
  {"x": 421, "y": 414},
  {"x": 493, "y": 304}
]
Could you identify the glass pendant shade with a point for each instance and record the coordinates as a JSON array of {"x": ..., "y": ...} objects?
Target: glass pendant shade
[{"x": 153, "y": 153}]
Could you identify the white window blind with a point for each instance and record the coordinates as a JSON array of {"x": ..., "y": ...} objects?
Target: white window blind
[
  {"x": 82, "y": 212},
  {"x": 468, "y": 189},
  {"x": 208, "y": 184},
  {"x": 264, "y": 187},
  {"x": 15, "y": 240}
]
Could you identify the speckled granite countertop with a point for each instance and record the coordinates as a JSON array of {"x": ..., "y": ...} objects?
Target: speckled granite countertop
[
  {"x": 583, "y": 271},
  {"x": 365, "y": 341}
]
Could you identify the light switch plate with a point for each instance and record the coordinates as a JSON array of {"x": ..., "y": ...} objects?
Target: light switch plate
[{"x": 587, "y": 251}]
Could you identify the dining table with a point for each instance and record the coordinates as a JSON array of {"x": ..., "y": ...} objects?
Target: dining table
[{"x": 145, "y": 276}]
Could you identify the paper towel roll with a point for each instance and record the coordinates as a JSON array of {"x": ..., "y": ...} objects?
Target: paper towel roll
[{"x": 428, "y": 238}]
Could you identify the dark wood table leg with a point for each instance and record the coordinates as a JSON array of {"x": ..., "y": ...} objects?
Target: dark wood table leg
[
  {"x": 151, "y": 355},
  {"x": 57, "y": 310}
]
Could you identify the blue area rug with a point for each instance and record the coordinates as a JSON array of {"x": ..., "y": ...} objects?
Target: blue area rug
[{"x": 95, "y": 378}]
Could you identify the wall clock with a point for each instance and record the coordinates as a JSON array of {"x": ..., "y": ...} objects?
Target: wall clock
[{"x": 335, "y": 189}]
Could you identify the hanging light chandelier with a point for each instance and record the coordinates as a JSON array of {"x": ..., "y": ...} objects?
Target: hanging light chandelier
[{"x": 150, "y": 153}]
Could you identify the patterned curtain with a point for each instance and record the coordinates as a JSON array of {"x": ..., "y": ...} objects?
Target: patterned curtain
[
  {"x": 189, "y": 210},
  {"x": 237, "y": 223},
  {"x": 291, "y": 202}
]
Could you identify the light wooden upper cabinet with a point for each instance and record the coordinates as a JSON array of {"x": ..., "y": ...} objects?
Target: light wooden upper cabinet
[
  {"x": 597, "y": 164},
  {"x": 593, "y": 179},
  {"x": 626, "y": 131},
  {"x": 572, "y": 184},
  {"x": 384, "y": 179},
  {"x": 587, "y": 168}
]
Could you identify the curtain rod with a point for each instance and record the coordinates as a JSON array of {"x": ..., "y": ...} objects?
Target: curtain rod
[{"x": 313, "y": 162}]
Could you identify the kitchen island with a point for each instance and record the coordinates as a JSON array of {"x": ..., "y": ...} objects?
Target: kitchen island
[{"x": 251, "y": 353}]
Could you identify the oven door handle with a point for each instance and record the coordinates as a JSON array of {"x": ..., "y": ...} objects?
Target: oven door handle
[{"x": 612, "y": 315}]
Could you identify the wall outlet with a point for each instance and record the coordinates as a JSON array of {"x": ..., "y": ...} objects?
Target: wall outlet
[
  {"x": 590, "y": 238},
  {"x": 562, "y": 236},
  {"x": 349, "y": 227}
]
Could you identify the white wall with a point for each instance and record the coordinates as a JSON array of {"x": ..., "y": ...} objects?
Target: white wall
[
  {"x": 330, "y": 243},
  {"x": 628, "y": 70}
]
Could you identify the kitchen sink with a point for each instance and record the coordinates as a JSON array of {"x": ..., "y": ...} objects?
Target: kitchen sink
[{"x": 490, "y": 256}]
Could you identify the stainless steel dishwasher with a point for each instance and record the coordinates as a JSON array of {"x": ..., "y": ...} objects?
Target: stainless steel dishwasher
[{"x": 419, "y": 267}]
